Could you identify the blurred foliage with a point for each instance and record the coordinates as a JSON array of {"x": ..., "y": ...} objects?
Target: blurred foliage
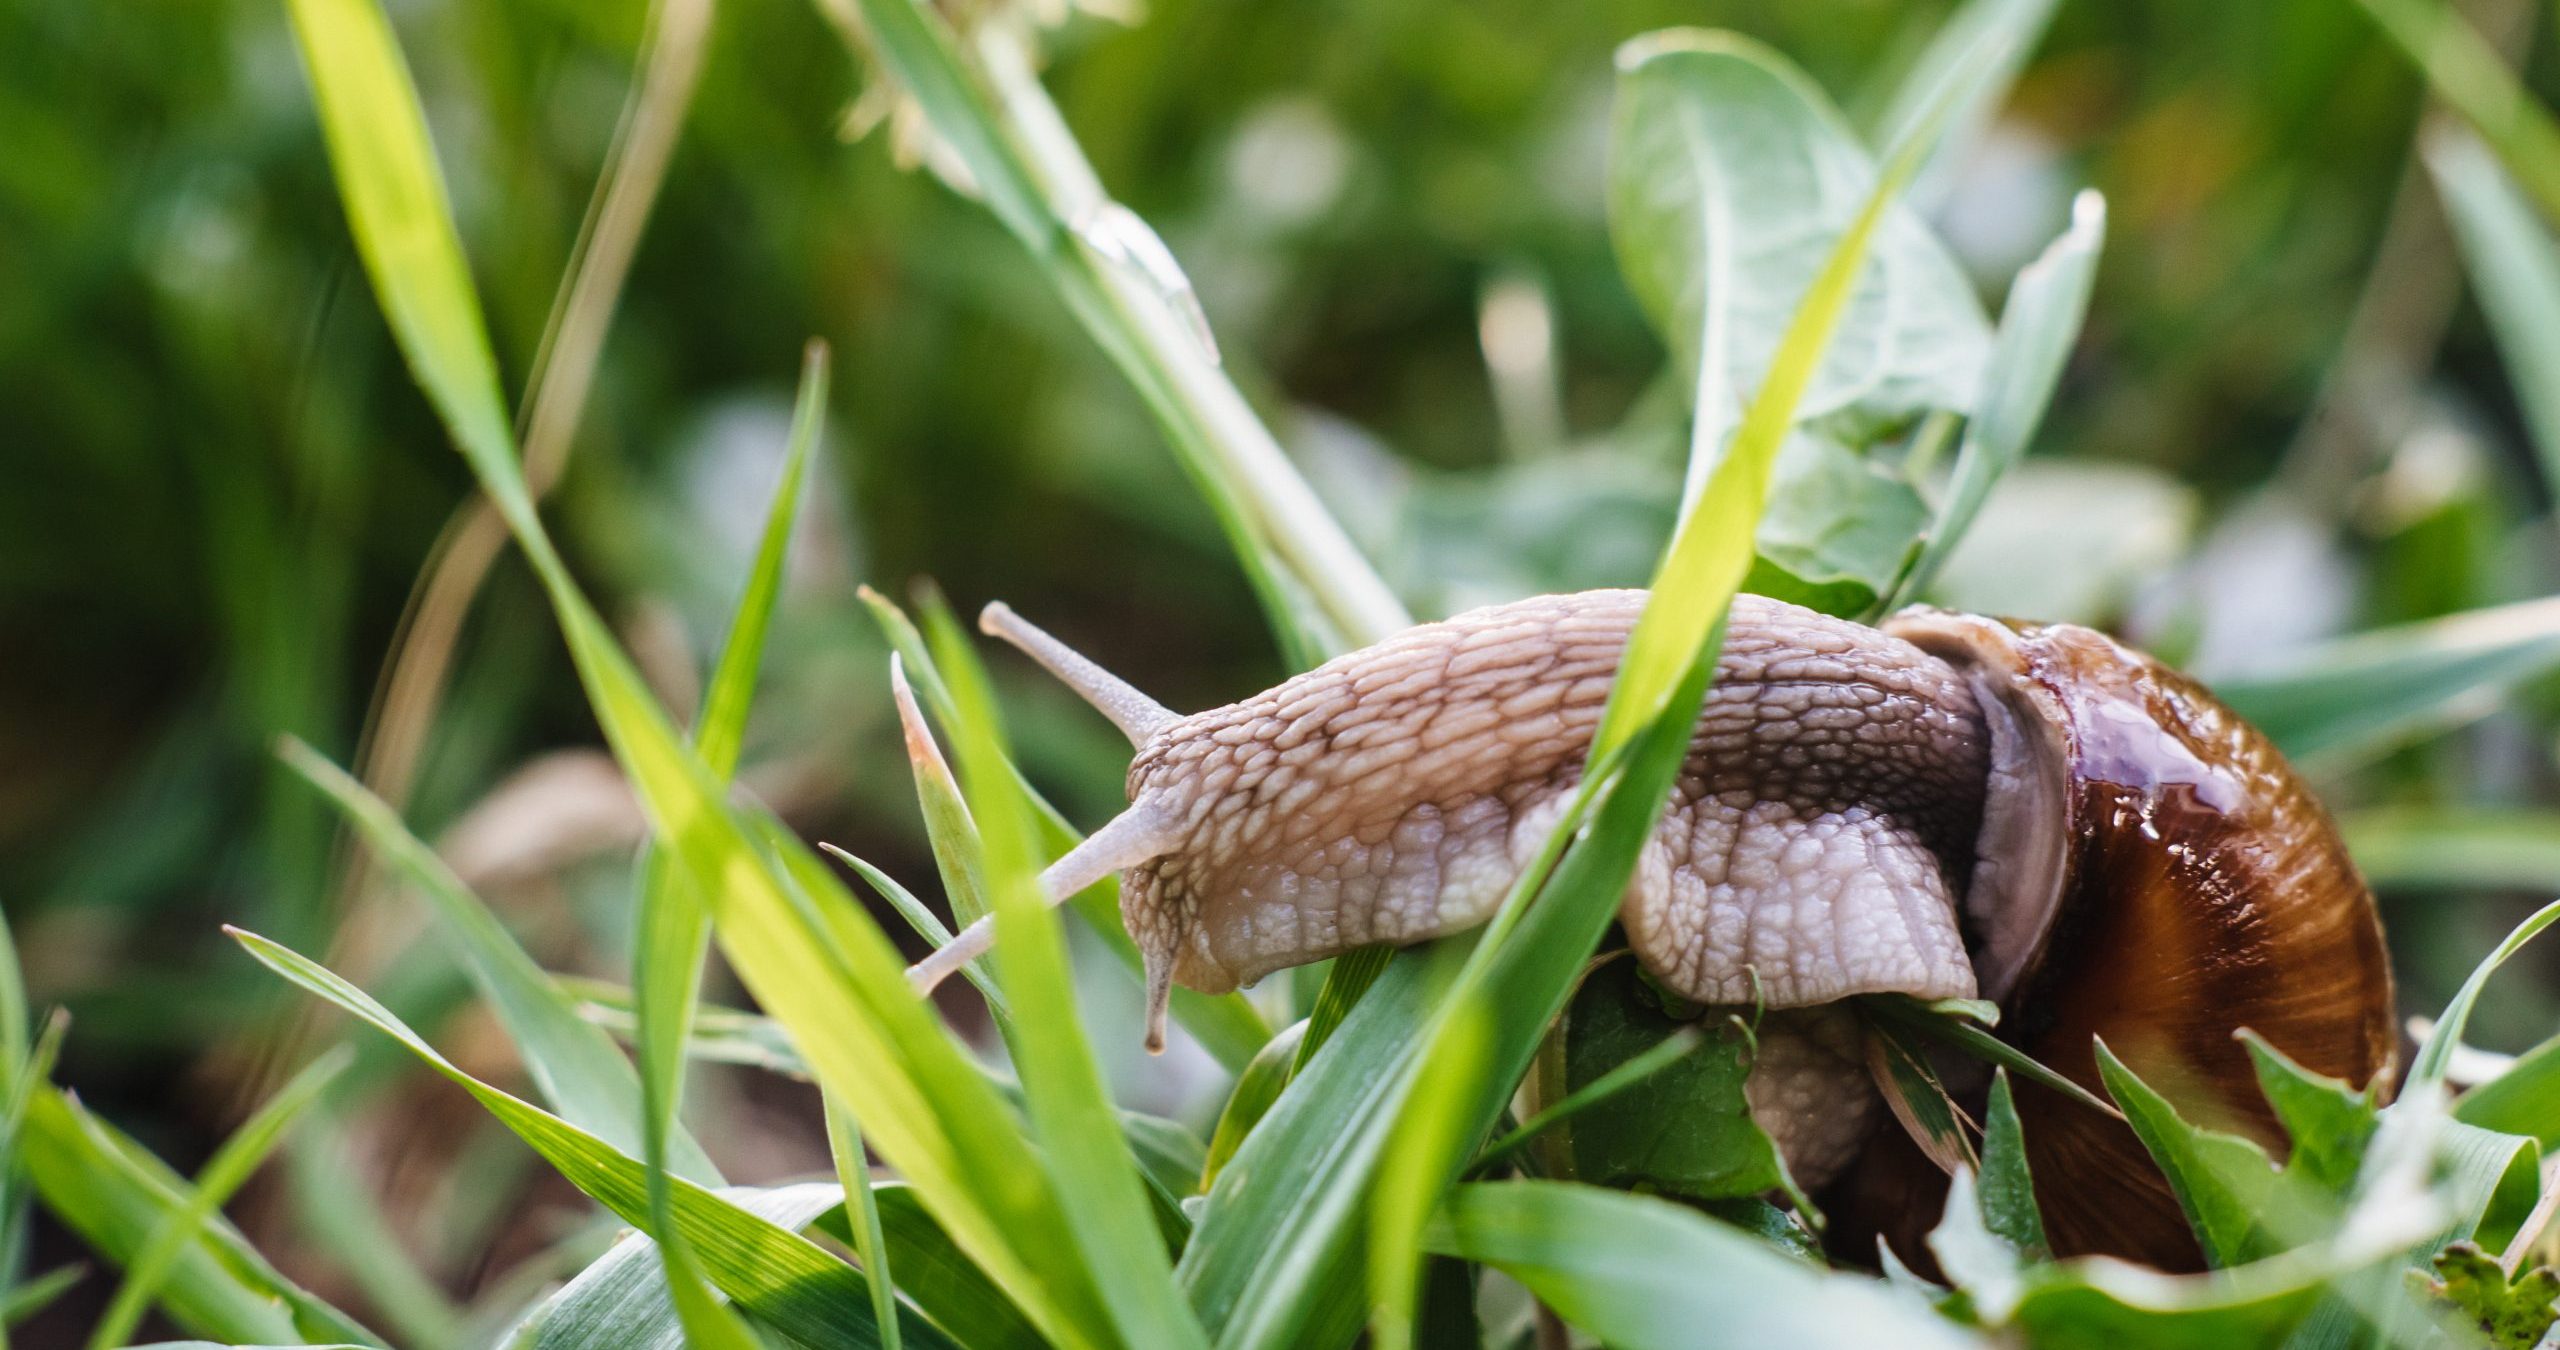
[{"x": 2286, "y": 419}]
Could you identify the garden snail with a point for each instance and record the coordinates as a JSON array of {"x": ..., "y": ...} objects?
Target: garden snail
[{"x": 1949, "y": 806}]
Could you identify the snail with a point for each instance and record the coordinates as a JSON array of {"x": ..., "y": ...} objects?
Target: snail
[{"x": 1948, "y": 806}]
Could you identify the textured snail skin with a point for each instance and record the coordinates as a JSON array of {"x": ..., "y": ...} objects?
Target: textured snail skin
[
  {"x": 1815, "y": 842},
  {"x": 2202, "y": 890}
]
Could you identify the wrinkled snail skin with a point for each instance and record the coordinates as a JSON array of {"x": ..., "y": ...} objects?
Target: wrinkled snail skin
[
  {"x": 1950, "y": 806},
  {"x": 2198, "y": 888}
]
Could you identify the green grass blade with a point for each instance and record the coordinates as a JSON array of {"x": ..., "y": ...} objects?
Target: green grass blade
[
  {"x": 621, "y": 1300},
  {"x": 2515, "y": 272},
  {"x": 2428, "y": 1068},
  {"x": 335, "y": 1209},
  {"x": 1255, "y": 1089},
  {"x": 1436, "y": 1126},
  {"x": 2473, "y": 80},
  {"x": 1666, "y": 1052},
  {"x": 948, "y": 829},
  {"x": 1958, "y": 82},
  {"x": 941, "y": 1280},
  {"x": 2362, "y": 694},
  {"x": 853, "y": 1173},
  {"x": 33, "y": 1296},
  {"x": 231, "y": 1166},
  {"x": 2047, "y": 304},
  {"x": 576, "y": 1066},
  {"x": 769, "y": 1270},
  {"x": 1641, "y": 1273},
  {"x": 674, "y": 927},
  {"x": 2524, "y": 1100},
  {"x": 929, "y": 927},
  {"x": 2456, "y": 848},
  {"x": 114, "y": 1195},
  {"x": 1071, "y": 1112},
  {"x": 1226, "y": 1025}
]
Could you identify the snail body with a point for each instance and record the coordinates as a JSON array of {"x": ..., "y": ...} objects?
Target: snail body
[{"x": 1946, "y": 807}]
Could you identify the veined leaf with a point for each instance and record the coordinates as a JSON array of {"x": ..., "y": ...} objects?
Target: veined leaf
[
  {"x": 2008, "y": 1191},
  {"x": 2222, "y": 1181}
]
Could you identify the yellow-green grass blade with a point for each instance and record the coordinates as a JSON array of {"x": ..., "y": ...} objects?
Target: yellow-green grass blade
[
  {"x": 1434, "y": 1126},
  {"x": 868, "y": 1035},
  {"x": 1226, "y": 1025},
  {"x": 30, "y": 1297},
  {"x": 674, "y": 927},
  {"x": 26, "y": 1070},
  {"x": 573, "y": 1063},
  {"x": 231, "y": 1166},
  {"x": 853, "y": 1173},
  {"x": 114, "y": 1195},
  {"x": 1105, "y": 1199},
  {"x": 769, "y": 1270}
]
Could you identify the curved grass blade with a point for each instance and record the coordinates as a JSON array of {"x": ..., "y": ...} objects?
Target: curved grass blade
[
  {"x": 2428, "y": 1069},
  {"x": 2460, "y": 848},
  {"x": 240, "y": 1156},
  {"x": 2524, "y": 1100},
  {"x": 1967, "y": 69},
  {"x": 2515, "y": 271},
  {"x": 2360, "y": 694},
  {"x": 2473, "y": 80},
  {"x": 1106, "y": 1206},
  {"x": 112, "y": 1193},
  {"x": 621, "y": 1301},
  {"x": 576, "y": 1066},
  {"x": 674, "y": 926},
  {"x": 769, "y": 1270},
  {"x": 1436, "y": 1126}
]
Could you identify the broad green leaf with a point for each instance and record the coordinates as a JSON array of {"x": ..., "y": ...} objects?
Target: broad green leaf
[
  {"x": 114, "y": 1195},
  {"x": 574, "y": 1064},
  {"x": 1685, "y": 1131},
  {"x": 2456, "y": 848},
  {"x": 853, "y": 1175},
  {"x": 2008, "y": 1191},
  {"x": 2512, "y": 1314},
  {"x": 1839, "y": 529},
  {"x": 2429, "y": 1067},
  {"x": 2222, "y": 1181},
  {"x": 2362, "y": 693},
  {"x": 1105, "y": 1204},
  {"x": 2328, "y": 1122},
  {"x": 2515, "y": 271},
  {"x": 1250, "y": 1099},
  {"x": 674, "y": 925},
  {"x": 771, "y": 1271},
  {"x": 1637, "y": 1272},
  {"x": 2473, "y": 80},
  {"x": 2042, "y": 320},
  {"x": 2524, "y": 1100},
  {"x": 1627, "y": 1073},
  {"x": 231, "y": 1166},
  {"x": 1960, "y": 80}
]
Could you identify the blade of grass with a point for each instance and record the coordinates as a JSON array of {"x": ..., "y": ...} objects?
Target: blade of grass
[
  {"x": 230, "y": 1167},
  {"x": 868, "y": 1036},
  {"x": 2471, "y": 78},
  {"x": 1435, "y": 1127},
  {"x": 2357, "y": 695},
  {"x": 1959, "y": 81},
  {"x": 1666, "y": 1052},
  {"x": 621, "y": 1300},
  {"x": 574, "y": 1064},
  {"x": 674, "y": 926},
  {"x": 30, "y": 1297},
  {"x": 114, "y": 1195},
  {"x": 335, "y": 1209},
  {"x": 2428, "y": 1069},
  {"x": 2515, "y": 271},
  {"x": 2456, "y": 848},
  {"x": 770, "y": 1270},
  {"x": 1226, "y": 1025},
  {"x": 928, "y": 927},
  {"x": 853, "y": 1173},
  {"x": 1071, "y": 1112},
  {"x": 984, "y": 100}
]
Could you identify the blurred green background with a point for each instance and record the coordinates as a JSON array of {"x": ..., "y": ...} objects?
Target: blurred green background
[{"x": 2285, "y": 420}]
